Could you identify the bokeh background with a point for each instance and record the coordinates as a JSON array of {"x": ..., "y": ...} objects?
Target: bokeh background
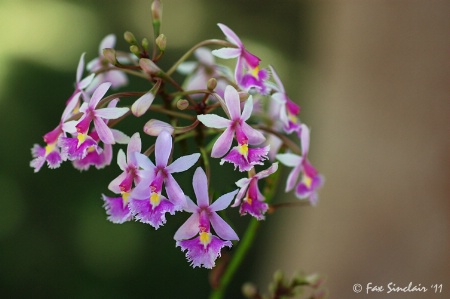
[{"x": 372, "y": 78}]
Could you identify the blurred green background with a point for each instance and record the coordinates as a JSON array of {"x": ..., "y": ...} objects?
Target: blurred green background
[{"x": 372, "y": 80}]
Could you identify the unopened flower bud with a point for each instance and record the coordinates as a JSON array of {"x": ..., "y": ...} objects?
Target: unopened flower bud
[
  {"x": 145, "y": 44},
  {"x": 278, "y": 276},
  {"x": 135, "y": 50},
  {"x": 129, "y": 38},
  {"x": 154, "y": 127},
  {"x": 212, "y": 83},
  {"x": 141, "y": 105},
  {"x": 110, "y": 55},
  {"x": 182, "y": 104},
  {"x": 249, "y": 290},
  {"x": 148, "y": 66},
  {"x": 161, "y": 41},
  {"x": 156, "y": 10}
]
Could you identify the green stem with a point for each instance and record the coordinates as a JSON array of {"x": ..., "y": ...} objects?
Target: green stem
[
  {"x": 236, "y": 260},
  {"x": 245, "y": 243}
]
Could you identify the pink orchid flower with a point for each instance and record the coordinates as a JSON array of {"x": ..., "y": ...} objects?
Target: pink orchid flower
[
  {"x": 204, "y": 249},
  {"x": 147, "y": 203},
  {"x": 310, "y": 181},
  {"x": 236, "y": 125},
  {"x": 247, "y": 72}
]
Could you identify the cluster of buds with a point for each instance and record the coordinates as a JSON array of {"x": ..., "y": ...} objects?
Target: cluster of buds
[{"x": 244, "y": 118}]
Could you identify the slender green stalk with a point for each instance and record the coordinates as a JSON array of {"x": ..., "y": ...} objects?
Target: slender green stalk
[
  {"x": 236, "y": 260},
  {"x": 245, "y": 243}
]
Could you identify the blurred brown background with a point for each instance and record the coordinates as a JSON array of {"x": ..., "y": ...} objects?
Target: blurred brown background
[
  {"x": 381, "y": 135},
  {"x": 372, "y": 78}
]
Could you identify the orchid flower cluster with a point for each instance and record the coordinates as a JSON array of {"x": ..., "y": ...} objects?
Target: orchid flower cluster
[{"x": 243, "y": 117}]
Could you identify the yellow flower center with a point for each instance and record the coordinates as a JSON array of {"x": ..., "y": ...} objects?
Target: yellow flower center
[
  {"x": 125, "y": 197},
  {"x": 255, "y": 72},
  {"x": 243, "y": 149},
  {"x": 205, "y": 238},
  {"x": 155, "y": 199},
  {"x": 292, "y": 118},
  {"x": 307, "y": 180},
  {"x": 49, "y": 148},
  {"x": 81, "y": 138}
]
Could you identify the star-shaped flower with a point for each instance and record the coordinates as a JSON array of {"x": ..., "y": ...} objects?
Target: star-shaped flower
[
  {"x": 204, "y": 249},
  {"x": 310, "y": 181},
  {"x": 236, "y": 125}
]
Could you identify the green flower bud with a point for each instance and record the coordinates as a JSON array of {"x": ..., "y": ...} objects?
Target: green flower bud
[
  {"x": 110, "y": 55},
  {"x": 161, "y": 41},
  {"x": 182, "y": 104},
  {"x": 145, "y": 44},
  {"x": 212, "y": 83},
  {"x": 129, "y": 38},
  {"x": 135, "y": 50},
  {"x": 249, "y": 290}
]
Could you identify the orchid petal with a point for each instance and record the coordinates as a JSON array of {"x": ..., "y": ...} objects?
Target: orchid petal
[
  {"x": 277, "y": 79},
  {"x": 214, "y": 121},
  {"x": 255, "y": 137},
  {"x": 223, "y": 201},
  {"x": 114, "y": 184},
  {"x": 265, "y": 173},
  {"x": 188, "y": 229},
  {"x": 227, "y": 53},
  {"x": 108, "y": 41},
  {"x": 142, "y": 190},
  {"x": 111, "y": 113},
  {"x": 289, "y": 159},
  {"x": 183, "y": 163},
  {"x": 80, "y": 68},
  {"x": 71, "y": 104},
  {"x": 98, "y": 94},
  {"x": 248, "y": 108},
  {"x": 190, "y": 206},
  {"x": 279, "y": 97},
  {"x": 163, "y": 148},
  {"x": 174, "y": 191},
  {"x": 231, "y": 36},
  {"x": 293, "y": 177},
  {"x": 120, "y": 137},
  {"x": 304, "y": 139},
  {"x": 187, "y": 67},
  {"x": 204, "y": 56},
  {"x": 70, "y": 126},
  {"x": 200, "y": 185},
  {"x": 222, "y": 144},
  {"x": 144, "y": 162},
  {"x": 103, "y": 131},
  {"x": 233, "y": 102},
  {"x": 222, "y": 229},
  {"x": 85, "y": 82},
  {"x": 122, "y": 160},
  {"x": 134, "y": 145}
]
